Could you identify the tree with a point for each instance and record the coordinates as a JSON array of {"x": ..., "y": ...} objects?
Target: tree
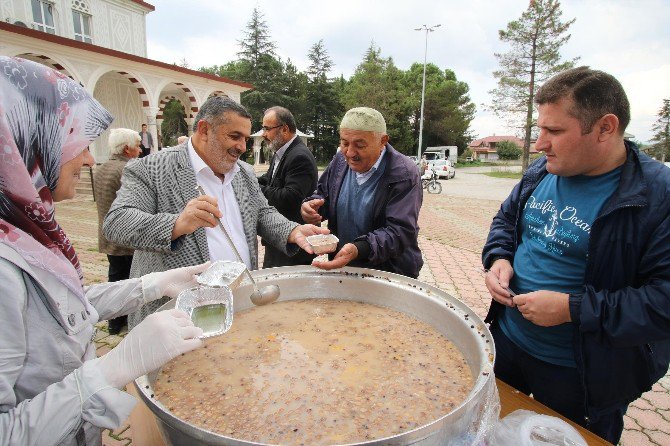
[
  {"x": 275, "y": 82},
  {"x": 323, "y": 106},
  {"x": 256, "y": 42},
  {"x": 173, "y": 124},
  {"x": 507, "y": 150},
  {"x": 535, "y": 39},
  {"x": 661, "y": 129},
  {"x": 448, "y": 109},
  {"x": 378, "y": 83}
]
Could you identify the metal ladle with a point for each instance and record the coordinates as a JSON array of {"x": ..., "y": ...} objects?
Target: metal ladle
[{"x": 260, "y": 296}]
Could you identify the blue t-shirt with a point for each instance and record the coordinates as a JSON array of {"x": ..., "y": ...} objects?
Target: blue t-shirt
[{"x": 556, "y": 226}]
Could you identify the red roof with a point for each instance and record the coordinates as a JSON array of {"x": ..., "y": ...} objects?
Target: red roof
[
  {"x": 145, "y": 4},
  {"x": 102, "y": 50},
  {"x": 495, "y": 139}
]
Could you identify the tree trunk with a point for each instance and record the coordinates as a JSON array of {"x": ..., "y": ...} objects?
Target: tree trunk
[{"x": 529, "y": 111}]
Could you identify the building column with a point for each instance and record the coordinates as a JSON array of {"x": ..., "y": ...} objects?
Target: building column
[
  {"x": 159, "y": 126},
  {"x": 189, "y": 124},
  {"x": 152, "y": 125}
]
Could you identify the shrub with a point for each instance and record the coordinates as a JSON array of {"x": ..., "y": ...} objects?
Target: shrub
[{"x": 507, "y": 150}]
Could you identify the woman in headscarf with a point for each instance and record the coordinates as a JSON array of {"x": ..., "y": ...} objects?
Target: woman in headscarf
[{"x": 53, "y": 390}]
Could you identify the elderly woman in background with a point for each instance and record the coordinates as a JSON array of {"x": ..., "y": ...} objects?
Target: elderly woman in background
[
  {"x": 124, "y": 145},
  {"x": 53, "y": 390}
]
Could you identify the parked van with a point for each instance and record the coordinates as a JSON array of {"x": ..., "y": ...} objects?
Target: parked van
[{"x": 442, "y": 152}]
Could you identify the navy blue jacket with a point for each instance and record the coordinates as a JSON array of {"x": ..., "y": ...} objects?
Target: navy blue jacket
[
  {"x": 392, "y": 245},
  {"x": 622, "y": 316}
]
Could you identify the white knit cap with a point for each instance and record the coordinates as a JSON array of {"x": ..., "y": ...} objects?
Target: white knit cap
[{"x": 364, "y": 118}]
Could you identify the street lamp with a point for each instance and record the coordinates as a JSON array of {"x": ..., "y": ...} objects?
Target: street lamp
[{"x": 423, "y": 89}]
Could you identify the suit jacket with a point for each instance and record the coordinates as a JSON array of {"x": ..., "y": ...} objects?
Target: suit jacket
[
  {"x": 106, "y": 182},
  {"x": 154, "y": 191},
  {"x": 293, "y": 179}
]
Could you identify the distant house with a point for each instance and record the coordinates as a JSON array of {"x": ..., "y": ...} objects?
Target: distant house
[{"x": 484, "y": 149}]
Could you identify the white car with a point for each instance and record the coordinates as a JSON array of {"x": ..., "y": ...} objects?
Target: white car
[{"x": 443, "y": 168}]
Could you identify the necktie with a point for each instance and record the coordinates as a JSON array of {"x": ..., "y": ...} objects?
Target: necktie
[{"x": 272, "y": 167}]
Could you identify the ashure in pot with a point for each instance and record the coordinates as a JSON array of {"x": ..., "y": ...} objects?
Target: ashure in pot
[{"x": 449, "y": 316}]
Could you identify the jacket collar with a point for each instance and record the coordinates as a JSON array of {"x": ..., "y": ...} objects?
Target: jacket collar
[
  {"x": 395, "y": 170},
  {"x": 632, "y": 185}
]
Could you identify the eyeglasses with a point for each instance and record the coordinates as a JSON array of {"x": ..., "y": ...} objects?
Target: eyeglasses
[{"x": 267, "y": 129}]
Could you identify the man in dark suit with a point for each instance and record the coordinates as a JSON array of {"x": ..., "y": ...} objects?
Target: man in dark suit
[{"x": 292, "y": 177}]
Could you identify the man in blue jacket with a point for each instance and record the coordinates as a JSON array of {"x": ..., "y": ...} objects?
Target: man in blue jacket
[
  {"x": 371, "y": 195},
  {"x": 584, "y": 242}
]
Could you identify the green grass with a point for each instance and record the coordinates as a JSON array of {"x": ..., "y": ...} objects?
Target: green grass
[
  {"x": 463, "y": 163},
  {"x": 514, "y": 175}
]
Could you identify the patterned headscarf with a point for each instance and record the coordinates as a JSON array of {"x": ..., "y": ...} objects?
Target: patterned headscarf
[{"x": 46, "y": 120}]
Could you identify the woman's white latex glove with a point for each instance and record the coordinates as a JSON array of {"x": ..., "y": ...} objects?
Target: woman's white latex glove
[
  {"x": 156, "y": 340},
  {"x": 171, "y": 282}
]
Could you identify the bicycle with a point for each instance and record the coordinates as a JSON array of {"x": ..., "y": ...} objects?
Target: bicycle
[{"x": 430, "y": 183}]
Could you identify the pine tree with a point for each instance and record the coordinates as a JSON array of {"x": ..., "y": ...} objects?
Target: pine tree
[
  {"x": 323, "y": 108},
  {"x": 661, "y": 129},
  {"x": 256, "y": 42},
  {"x": 535, "y": 39}
]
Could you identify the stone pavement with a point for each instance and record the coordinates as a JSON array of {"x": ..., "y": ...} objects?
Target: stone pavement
[{"x": 453, "y": 225}]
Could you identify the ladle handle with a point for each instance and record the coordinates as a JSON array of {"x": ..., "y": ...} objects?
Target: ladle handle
[{"x": 201, "y": 191}]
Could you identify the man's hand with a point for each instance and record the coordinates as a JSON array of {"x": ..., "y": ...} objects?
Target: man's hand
[
  {"x": 348, "y": 253},
  {"x": 309, "y": 211},
  {"x": 201, "y": 212},
  {"x": 497, "y": 279},
  {"x": 300, "y": 233},
  {"x": 544, "y": 308}
]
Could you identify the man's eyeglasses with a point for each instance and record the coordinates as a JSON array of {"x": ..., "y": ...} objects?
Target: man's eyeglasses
[{"x": 267, "y": 129}]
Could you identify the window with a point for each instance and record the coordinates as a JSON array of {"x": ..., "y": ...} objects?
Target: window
[
  {"x": 43, "y": 16},
  {"x": 82, "y": 26},
  {"x": 81, "y": 18}
]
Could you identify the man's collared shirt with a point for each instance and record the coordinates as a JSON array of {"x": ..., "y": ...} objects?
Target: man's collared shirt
[
  {"x": 218, "y": 246},
  {"x": 145, "y": 139},
  {"x": 279, "y": 153},
  {"x": 365, "y": 176}
]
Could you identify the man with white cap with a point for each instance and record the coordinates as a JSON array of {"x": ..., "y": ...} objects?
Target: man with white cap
[{"x": 371, "y": 195}]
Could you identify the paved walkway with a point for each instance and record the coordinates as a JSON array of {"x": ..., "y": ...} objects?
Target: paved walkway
[{"x": 454, "y": 225}]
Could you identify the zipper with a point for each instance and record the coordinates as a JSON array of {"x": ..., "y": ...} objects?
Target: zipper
[{"x": 587, "y": 278}]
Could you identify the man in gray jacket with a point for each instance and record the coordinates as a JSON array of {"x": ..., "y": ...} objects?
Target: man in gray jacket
[
  {"x": 158, "y": 211},
  {"x": 124, "y": 145}
]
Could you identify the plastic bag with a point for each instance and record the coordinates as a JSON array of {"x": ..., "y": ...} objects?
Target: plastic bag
[
  {"x": 478, "y": 420},
  {"x": 527, "y": 428}
]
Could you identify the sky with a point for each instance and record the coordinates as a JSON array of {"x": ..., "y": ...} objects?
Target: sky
[{"x": 629, "y": 39}]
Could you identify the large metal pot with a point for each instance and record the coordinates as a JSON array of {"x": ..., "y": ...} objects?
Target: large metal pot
[{"x": 447, "y": 314}]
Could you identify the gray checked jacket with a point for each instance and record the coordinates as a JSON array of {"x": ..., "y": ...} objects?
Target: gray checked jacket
[{"x": 154, "y": 191}]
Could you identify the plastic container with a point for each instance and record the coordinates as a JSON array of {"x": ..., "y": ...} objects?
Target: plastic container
[
  {"x": 209, "y": 308},
  {"x": 323, "y": 244},
  {"x": 222, "y": 273}
]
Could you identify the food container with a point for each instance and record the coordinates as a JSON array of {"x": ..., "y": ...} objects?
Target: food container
[
  {"x": 209, "y": 308},
  {"x": 323, "y": 243},
  {"x": 466, "y": 424},
  {"x": 222, "y": 273}
]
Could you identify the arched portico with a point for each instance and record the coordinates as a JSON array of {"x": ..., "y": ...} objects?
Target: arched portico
[
  {"x": 130, "y": 86},
  {"x": 50, "y": 61}
]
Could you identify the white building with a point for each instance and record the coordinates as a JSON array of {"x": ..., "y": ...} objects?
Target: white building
[{"x": 102, "y": 45}]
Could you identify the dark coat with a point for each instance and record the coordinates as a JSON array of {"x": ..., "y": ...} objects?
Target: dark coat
[
  {"x": 292, "y": 180},
  {"x": 393, "y": 243},
  {"x": 621, "y": 318}
]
